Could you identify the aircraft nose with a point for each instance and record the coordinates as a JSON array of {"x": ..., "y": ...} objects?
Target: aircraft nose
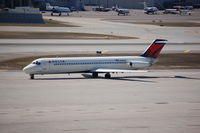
[
  {"x": 30, "y": 69},
  {"x": 24, "y": 69},
  {"x": 27, "y": 69}
]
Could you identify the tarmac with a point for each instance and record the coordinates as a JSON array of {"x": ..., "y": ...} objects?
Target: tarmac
[
  {"x": 32, "y": 48},
  {"x": 158, "y": 101},
  {"x": 112, "y": 24},
  {"x": 81, "y": 47}
]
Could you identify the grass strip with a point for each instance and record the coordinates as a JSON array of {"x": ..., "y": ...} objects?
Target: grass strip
[
  {"x": 48, "y": 23},
  {"x": 56, "y": 35}
]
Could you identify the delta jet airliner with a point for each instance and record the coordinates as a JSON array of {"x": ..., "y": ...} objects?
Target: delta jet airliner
[{"x": 95, "y": 65}]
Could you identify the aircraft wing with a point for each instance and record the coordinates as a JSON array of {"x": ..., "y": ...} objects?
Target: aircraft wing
[{"x": 105, "y": 70}]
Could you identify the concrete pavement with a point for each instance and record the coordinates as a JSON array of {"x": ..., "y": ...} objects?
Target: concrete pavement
[{"x": 159, "y": 101}]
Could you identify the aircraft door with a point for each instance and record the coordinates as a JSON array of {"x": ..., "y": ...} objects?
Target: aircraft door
[{"x": 45, "y": 66}]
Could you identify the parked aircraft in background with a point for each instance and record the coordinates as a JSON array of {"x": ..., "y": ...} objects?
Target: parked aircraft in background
[
  {"x": 101, "y": 9},
  {"x": 182, "y": 10},
  {"x": 95, "y": 65},
  {"x": 185, "y": 12},
  {"x": 57, "y": 9},
  {"x": 122, "y": 11},
  {"x": 171, "y": 11},
  {"x": 150, "y": 10},
  {"x": 177, "y": 11},
  {"x": 183, "y": 7}
]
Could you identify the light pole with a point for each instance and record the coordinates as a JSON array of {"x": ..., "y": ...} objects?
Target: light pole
[
  {"x": 29, "y": 3},
  {"x": 20, "y": 2},
  {"x": 12, "y": 3},
  {"x": 3, "y": 3}
]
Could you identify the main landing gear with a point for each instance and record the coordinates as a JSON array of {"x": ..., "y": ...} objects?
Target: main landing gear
[
  {"x": 95, "y": 75},
  {"x": 31, "y": 76},
  {"x": 107, "y": 75},
  {"x": 58, "y": 14}
]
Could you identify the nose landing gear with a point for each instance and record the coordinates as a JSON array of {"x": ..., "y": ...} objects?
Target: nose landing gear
[{"x": 31, "y": 76}]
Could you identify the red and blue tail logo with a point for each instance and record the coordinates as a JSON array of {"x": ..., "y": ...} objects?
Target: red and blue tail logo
[{"x": 155, "y": 48}]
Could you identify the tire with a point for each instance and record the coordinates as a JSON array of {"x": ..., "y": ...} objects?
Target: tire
[
  {"x": 31, "y": 76},
  {"x": 95, "y": 75},
  {"x": 107, "y": 76}
]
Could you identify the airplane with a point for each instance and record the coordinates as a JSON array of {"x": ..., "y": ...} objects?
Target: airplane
[
  {"x": 96, "y": 65},
  {"x": 183, "y": 7},
  {"x": 177, "y": 11},
  {"x": 182, "y": 10},
  {"x": 120, "y": 10},
  {"x": 101, "y": 9},
  {"x": 57, "y": 9},
  {"x": 171, "y": 11},
  {"x": 125, "y": 12},
  {"x": 150, "y": 10}
]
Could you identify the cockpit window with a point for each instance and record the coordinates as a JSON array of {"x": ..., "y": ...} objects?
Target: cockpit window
[{"x": 36, "y": 62}]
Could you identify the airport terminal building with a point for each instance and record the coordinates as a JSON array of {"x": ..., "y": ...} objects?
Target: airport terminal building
[
  {"x": 131, "y": 4},
  {"x": 40, "y": 3}
]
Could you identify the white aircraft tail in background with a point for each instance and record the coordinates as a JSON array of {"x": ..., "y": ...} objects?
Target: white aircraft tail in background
[
  {"x": 95, "y": 65},
  {"x": 150, "y": 10}
]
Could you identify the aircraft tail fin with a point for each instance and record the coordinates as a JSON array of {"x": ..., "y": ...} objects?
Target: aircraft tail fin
[
  {"x": 145, "y": 5},
  {"x": 155, "y": 48},
  {"x": 47, "y": 4}
]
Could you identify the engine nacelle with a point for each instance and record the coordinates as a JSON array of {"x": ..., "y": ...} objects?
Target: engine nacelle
[{"x": 138, "y": 64}]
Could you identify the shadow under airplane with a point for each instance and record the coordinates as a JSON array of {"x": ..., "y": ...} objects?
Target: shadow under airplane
[{"x": 123, "y": 78}]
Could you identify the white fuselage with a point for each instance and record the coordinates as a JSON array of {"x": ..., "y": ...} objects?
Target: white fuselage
[{"x": 86, "y": 64}]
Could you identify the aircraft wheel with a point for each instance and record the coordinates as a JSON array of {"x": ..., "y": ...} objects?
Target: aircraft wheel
[
  {"x": 95, "y": 75},
  {"x": 107, "y": 76},
  {"x": 59, "y": 14},
  {"x": 31, "y": 76},
  {"x": 52, "y": 14}
]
